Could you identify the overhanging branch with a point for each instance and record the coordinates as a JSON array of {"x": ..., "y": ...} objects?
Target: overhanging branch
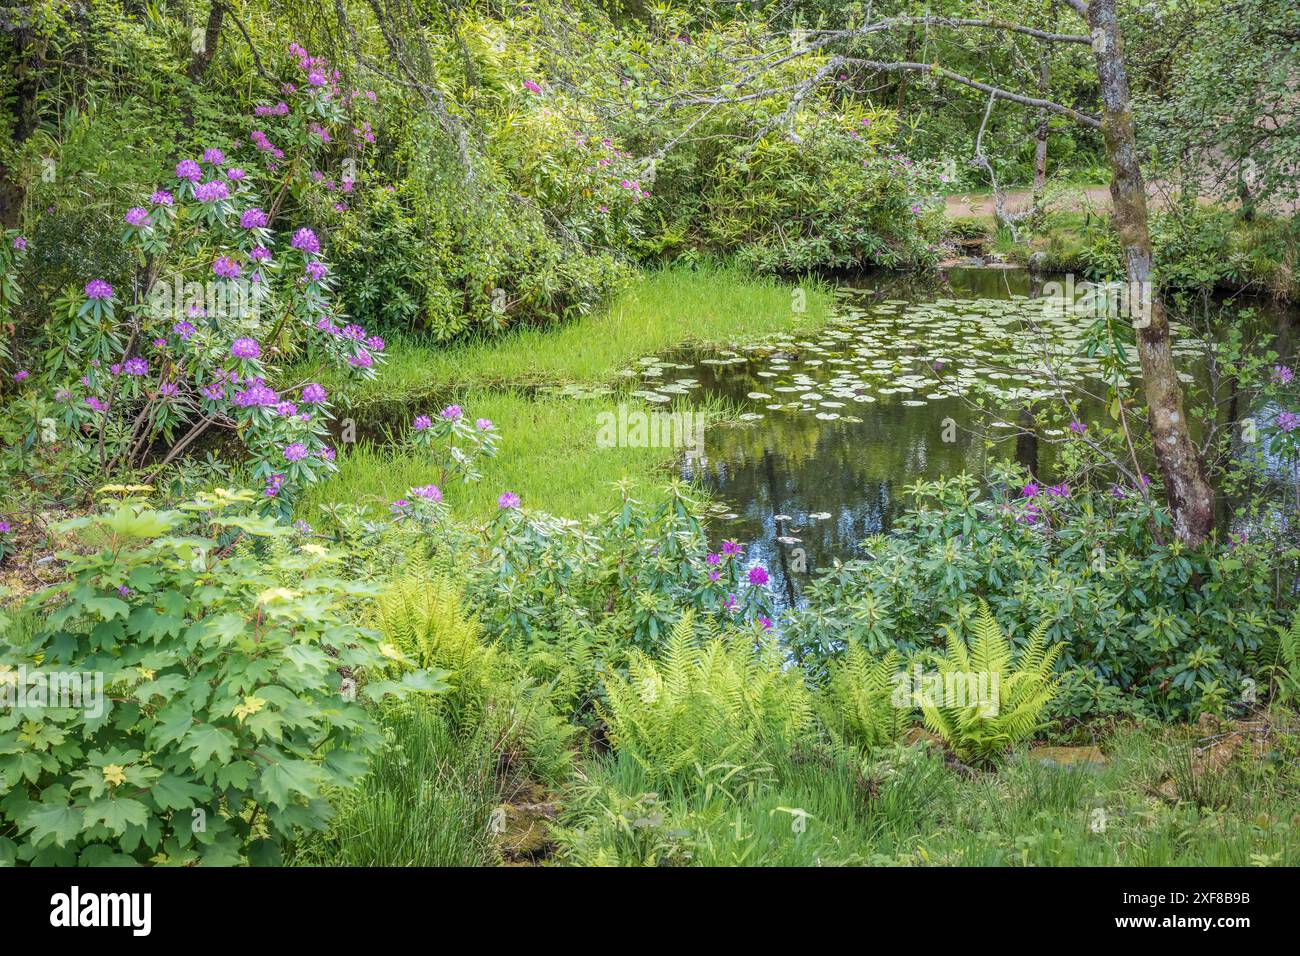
[{"x": 934, "y": 69}]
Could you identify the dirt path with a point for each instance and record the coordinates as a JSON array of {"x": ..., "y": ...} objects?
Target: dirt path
[
  {"x": 1076, "y": 199},
  {"x": 1095, "y": 199}
]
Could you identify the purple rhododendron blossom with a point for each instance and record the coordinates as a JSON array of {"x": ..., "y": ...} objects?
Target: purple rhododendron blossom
[
  {"x": 507, "y": 500},
  {"x": 257, "y": 395},
  {"x": 245, "y": 348},
  {"x": 226, "y": 268},
  {"x": 98, "y": 289},
  {"x": 212, "y": 191},
  {"x": 305, "y": 240},
  {"x": 428, "y": 492}
]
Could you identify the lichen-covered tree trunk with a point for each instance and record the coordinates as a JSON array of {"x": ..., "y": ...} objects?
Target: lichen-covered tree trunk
[
  {"x": 1040, "y": 137},
  {"x": 1191, "y": 499}
]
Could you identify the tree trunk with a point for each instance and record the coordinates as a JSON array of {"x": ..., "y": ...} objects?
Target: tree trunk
[
  {"x": 201, "y": 55},
  {"x": 27, "y": 65},
  {"x": 909, "y": 50},
  {"x": 1190, "y": 497},
  {"x": 1040, "y": 137}
]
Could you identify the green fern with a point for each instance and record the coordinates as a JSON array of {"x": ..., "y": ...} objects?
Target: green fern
[
  {"x": 1022, "y": 685},
  {"x": 710, "y": 699},
  {"x": 858, "y": 703},
  {"x": 426, "y": 621},
  {"x": 1288, "y": 660}
]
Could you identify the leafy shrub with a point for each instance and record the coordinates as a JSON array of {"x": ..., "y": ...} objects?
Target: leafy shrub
[
  {"x": 836, "y": 199},
  {"x": 1021, "y": 685},
  {"x": 214, "y": 307},
  {"x": 708, "y": 701},
  {"x": 1174, "y": 626},
  {"x": 631, "y": 571},
  {"x": 223, "y": 694}
]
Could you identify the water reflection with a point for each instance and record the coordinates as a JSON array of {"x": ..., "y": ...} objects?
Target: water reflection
[{"x": 855, "y": 413}]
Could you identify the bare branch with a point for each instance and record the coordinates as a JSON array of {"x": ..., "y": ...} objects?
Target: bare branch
[
  {"x": 1085, "y": 119},
  {"x": 1006, "y": 26},
  {"x": 257, "y": 60}
]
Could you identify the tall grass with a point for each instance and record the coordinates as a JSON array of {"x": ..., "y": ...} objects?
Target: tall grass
[
  {"x": 548, "y": 456},
  {"x": 427, "y": 801},
  {"x": 660, "y": 309},
  {"x": 907, "y": 807}
]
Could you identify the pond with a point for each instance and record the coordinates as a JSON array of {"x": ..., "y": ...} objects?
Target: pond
[{"x": 839, "y": 421}]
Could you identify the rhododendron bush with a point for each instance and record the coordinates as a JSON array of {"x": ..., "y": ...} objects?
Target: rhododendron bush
[{"x": 229, "y": 286}]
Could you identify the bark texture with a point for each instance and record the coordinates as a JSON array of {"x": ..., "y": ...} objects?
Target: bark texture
[{"x": 1190, "y": 497}]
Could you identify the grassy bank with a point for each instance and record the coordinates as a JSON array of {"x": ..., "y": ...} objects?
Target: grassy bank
[
  {"x": 549, "y": 455},
  {"x": 659, "y": 310}
]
